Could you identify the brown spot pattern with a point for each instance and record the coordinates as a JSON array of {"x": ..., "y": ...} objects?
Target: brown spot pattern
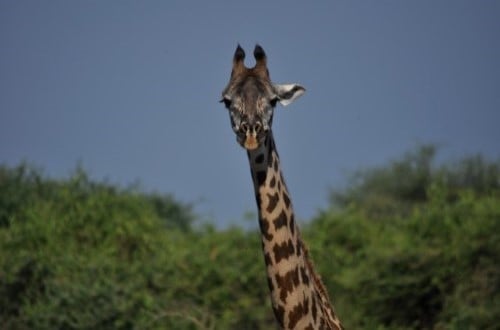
[
  {"x": 270, "y": 284},
  {"x": 273, "y": 201},
  {"x": 264, "y": 228},
  {"x": 314, "y": 310},
  {"x": 272, "y": 183},
  {"x": 305, "y": 277},
  {"x": 267, "y": 259},
  {"x": 287, "y": 282},
  {"x": 260, "y": 176},
  {"x": 297, "y": 313},
  {"x": 299, "y": 249},
  {"x": 280, "y": 221},
  {"x": 279, "y": 312},
  {"x": 286, "y": 199},
  {"x": 292, "y": 227},
  {"x": 275, "y": 164},
  {"x": 257, "y": 199},
  {"x": 283, "y": 250}
]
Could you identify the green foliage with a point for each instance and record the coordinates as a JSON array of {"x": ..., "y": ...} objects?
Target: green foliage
[
  {"x": 76, "y": 254},
  {"x": 404, "y": 183},
  {"x": 407, "y": 246},
  {"x": 413, "y": 246}
]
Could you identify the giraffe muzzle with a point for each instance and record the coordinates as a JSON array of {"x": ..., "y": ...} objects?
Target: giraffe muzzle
[{"x": 252, "y": 135}]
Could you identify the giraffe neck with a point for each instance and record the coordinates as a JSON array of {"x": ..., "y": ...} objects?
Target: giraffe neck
[{"x": 298, "y": 297}]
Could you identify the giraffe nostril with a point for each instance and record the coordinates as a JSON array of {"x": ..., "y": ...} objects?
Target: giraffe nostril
[
  {"x": 258, "y": 127},
  {"x": 253, "y": 128},
  {"x": 244, "y": 127}
]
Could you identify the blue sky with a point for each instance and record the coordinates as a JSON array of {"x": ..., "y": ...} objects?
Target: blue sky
[{"x": 130, "y": 89}]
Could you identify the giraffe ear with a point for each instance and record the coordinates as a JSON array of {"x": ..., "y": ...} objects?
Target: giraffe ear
[{"x": 287, "y": 93}]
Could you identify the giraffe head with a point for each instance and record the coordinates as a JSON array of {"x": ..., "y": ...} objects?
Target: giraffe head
[{"x": 251, "y": 97}]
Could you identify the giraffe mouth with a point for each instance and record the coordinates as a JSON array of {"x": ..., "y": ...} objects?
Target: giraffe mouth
[
  {"x": 250, "y": 136},
  {"x": 251, "y": 142}
]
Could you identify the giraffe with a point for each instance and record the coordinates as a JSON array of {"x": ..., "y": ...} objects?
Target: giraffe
[{"x": 298, "y": 296}]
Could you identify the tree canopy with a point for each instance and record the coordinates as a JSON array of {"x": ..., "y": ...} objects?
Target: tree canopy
[{"x": 409, "y": 245}]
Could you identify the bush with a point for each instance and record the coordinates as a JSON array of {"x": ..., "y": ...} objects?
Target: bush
[
  {"x": 414, "y": 261},
  {"x": 407, "y": 246}
]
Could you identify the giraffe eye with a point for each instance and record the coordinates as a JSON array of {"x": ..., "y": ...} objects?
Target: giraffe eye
[
  {"x": 274, "y": 101},
  {"x": 227, "y": 102}
]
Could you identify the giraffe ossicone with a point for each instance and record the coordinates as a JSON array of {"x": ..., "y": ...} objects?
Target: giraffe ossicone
[{"x": 298, "y": 296}]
